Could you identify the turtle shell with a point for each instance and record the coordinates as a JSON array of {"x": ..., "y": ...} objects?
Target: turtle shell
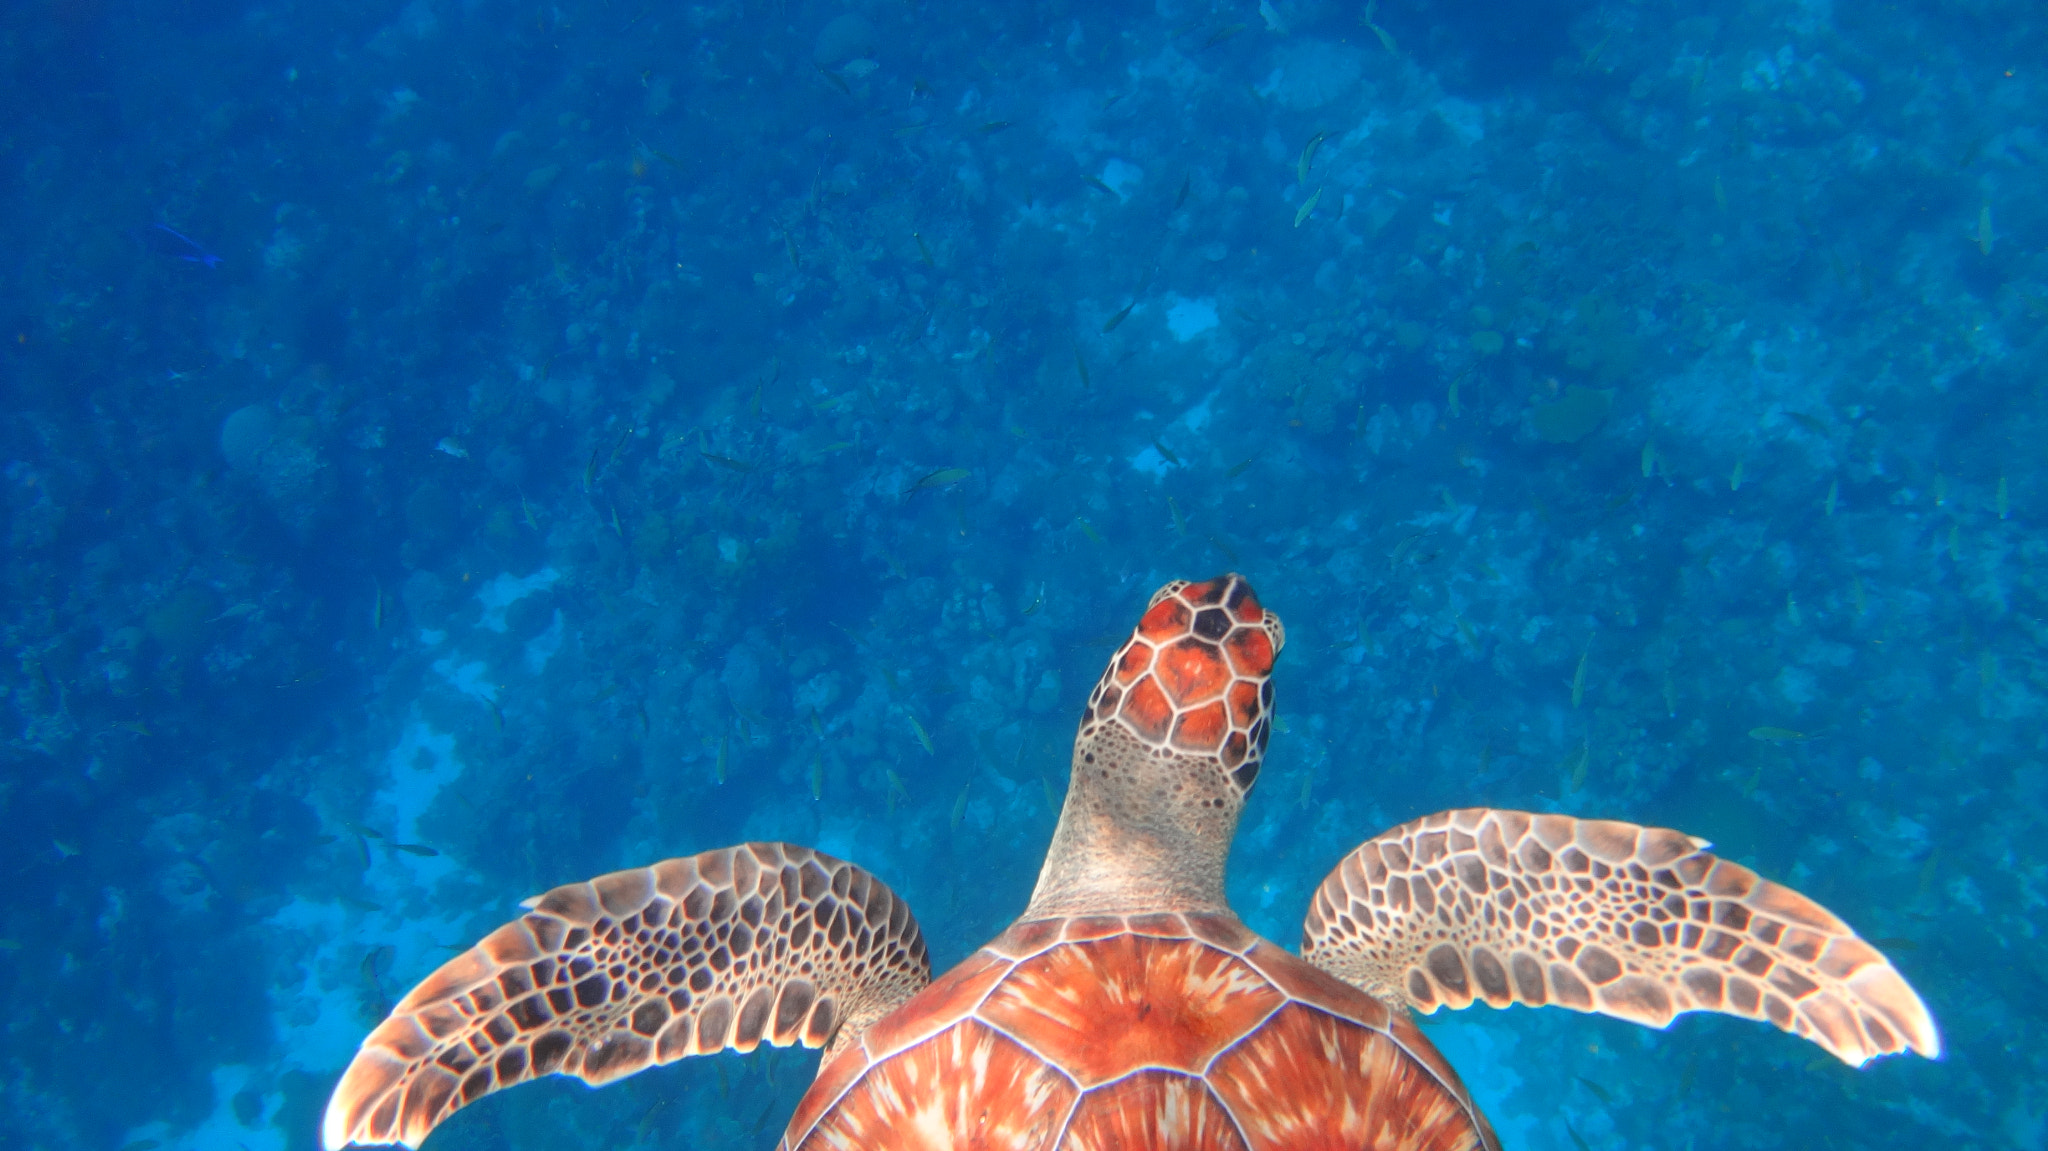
[{"x": 1180, "y": 1032}]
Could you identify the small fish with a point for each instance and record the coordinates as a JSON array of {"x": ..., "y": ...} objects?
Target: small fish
[
  {"x": 1575, "y": 766},
  {"x": 1166, "y": 453},
  {"x": 1649, "y": 459},
  {"x": 1856, "y": 594},
  {"x": 817, "y": 777},
  {"x": 1894, "y": 943},
  {"x": 994, "y": 126},
  {"x": 64, "y": 849},
  {"x": 1096, "y": 183},
  {"x": 10, "y": 945},
  {"x": 1577, "y": 1140},
  {"x": 359, "y": 904},
  {"x": 526, "y": 509},
  {"x": 1598, "y": 1091},
  {"x": 959, "y": 808},
  {"x": 1386, "y": 40},
  {"x": 590, "y": 469},
  {"x": 377, "y": 963},
  {"x": 1237, "y": 469},
  {"x": 1301, "y": 216},
  {"x": 2003, "y": 501},
  {"x": 235, "y": 612},
  {"x": 922, "y": 736},
  {"x": 1735, "y": 477},
  {"x": 1451, "y": 400},
  {"x": 1220, "y": 35},
  {"x": 1955, "y": 543},
  {"x": 1186, "y": 183},
  {"x": 1579, "y": 677},
  {"x": 647, "y": 1119},
  {"x": 1110, "y": 324},
  {"x": 419, "y": 849},
  {"x": 817, "y": 728},
  {"x": 1180, "y": 524},
  {"x": 1940, "y": 490},
  {"x": 1776, "y": 734},
  {"x": 497, "y": 715},
  {"x": 923, "y": 253},
  {"x": 1834, "y": 493},
  {"x": 1036, "y": 603},
  {"x": 726, "y": 462},
  {"x": 1810, "y": 423},
  {"x": 449, "y": 447},
  {"x": 943, "y": 478},
  {"x": 1088, "y": 529},
  {"x": 1229, "y": 552},
  {"x": 133, "y": 725},
  {"x": 1308, "y": 786},
  {"x": 365, "y": 832},
  {"x": 1308, "y": 157},
  {"x": 837, "y": 81},
  {"x": 1792, "y": 611},
  {"x": 1051, "y": 802},
  {"x": 1465, "y": 630},
  {"x": 1928, "y": 871},
  {"x": 189, "y": 250},
  {"x": 724, "y": 743},
  {"x": 1983, "y": 229},
  {"x": 1081, "y": 368}
]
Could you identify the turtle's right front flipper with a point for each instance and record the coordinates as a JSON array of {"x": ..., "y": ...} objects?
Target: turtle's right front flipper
[
  {"x": 764, "y": 942},
  {"x": 1640, "y": 923}
]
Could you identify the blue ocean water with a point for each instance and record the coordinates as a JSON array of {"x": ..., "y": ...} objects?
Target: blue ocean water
[{"x": 558, "y": 436}]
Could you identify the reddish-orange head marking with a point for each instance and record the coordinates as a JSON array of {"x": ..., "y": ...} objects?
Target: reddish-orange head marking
[{"x": 1195, "y": 674}]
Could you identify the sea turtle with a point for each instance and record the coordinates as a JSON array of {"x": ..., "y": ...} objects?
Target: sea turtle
[{"x": 1128, "y": 1007}]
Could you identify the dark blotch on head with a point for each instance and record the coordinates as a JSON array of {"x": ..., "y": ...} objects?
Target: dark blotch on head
[
  {"x": 1246, "y": 774},
  {"x": 1212, "y": 623}
]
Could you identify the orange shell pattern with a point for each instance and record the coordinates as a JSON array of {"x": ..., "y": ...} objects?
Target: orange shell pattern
[
  {"x": 1193, "y": 676},
  {"x": 1167, "y": 1032}
]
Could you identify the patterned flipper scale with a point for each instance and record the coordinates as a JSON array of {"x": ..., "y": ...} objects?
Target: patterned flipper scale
[
  {"x": 760, "y": 943},
  {"x": 1640, "y": 923}
]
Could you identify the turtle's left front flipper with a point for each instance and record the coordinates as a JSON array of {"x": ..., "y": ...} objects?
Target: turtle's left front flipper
[
  {"x": 1640, "y": 923},
  {"x": 719, "y": 951}
]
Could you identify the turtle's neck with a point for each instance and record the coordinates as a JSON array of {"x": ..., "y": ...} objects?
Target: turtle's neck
[{"x": 1138, "y": 833}]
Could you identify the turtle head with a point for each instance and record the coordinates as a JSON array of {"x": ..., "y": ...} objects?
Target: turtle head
[
  {"x": 1195, "y": 680},
  {"x": 1170, "y": 744}
]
